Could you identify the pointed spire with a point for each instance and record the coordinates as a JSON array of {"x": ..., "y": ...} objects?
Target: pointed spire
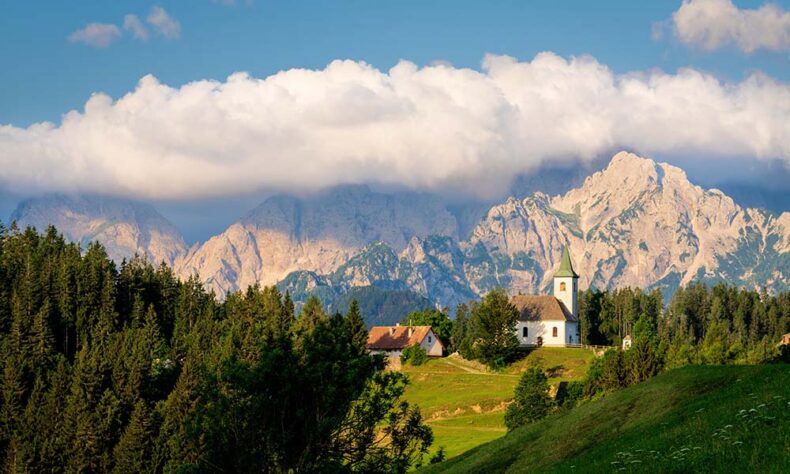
[{"x": 566, "y": 267}]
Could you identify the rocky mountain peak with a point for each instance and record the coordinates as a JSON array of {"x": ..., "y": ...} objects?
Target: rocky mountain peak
[{"x": 123, "y": 227}]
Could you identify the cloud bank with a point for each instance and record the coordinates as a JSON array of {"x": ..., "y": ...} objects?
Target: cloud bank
[
  {"x": 434, "y": 128},
  {"x": 712, "y": 24}
]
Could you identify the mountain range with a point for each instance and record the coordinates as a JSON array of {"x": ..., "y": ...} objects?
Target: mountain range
[{"x": 634, "y": 223}]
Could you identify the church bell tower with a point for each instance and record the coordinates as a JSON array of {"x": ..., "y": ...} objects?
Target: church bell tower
[{"x": 566, "y": 284}]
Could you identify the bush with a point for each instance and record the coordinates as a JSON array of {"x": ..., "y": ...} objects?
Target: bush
[
  {"x": 414, "y": 355},
  {"x": 570, "y": 393},
  {"x": 531, "y": 400}
]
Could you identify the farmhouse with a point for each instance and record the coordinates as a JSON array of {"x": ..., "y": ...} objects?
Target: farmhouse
[
  {"x": 551, "y": 320},
  {"x": 391, "y": 340}
]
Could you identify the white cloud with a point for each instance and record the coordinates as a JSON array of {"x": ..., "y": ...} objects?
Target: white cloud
[
  {"x": 133, "y": 24},
  {"x": 437, "y": 128},
  {"x": 163, "y": 23},
  {"x": 711, "y": 24},
  {"x": 98, "y": 35}
]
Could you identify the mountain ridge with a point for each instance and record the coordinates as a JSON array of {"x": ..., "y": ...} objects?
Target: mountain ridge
[{"x": 635, "y": 222}]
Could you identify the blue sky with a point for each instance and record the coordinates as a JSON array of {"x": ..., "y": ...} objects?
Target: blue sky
[
  {"x": 44, "y": 75},
  {"x": 702, "y": 84}
]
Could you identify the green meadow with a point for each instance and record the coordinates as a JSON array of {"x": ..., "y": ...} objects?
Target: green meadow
[
  {"x": 693, "y": 419},
  {"x": 464, "y": 403}
]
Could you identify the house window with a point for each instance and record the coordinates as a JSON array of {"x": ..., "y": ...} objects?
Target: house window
[
  {"x": 554, "y": 331},
  {"x": 562, "y": 286},
  {"x": 524, "y": 332},
  {"x": 429, "y": 339}
]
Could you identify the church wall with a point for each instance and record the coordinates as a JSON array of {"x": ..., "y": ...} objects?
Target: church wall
[
  {"x": 536, "y": 329},
  {"x": 570, "y": 295}
]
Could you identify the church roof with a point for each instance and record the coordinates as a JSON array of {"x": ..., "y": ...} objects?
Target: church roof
[
  {"x": 541, "y": 308},
  {"x": 566, "y": 267},
  {"x": 395, "y": 337}
]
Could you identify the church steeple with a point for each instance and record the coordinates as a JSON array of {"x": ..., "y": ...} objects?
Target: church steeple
[
  {"x": 566, "y": 283},
  {"x": 566, "y": 266}
]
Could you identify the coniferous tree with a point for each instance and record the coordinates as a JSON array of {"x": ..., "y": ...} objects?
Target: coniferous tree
[
  {"x": 356, "y": 326},
  {"x": 491, "y": 333},
  {"x": 133, "y": 452}
]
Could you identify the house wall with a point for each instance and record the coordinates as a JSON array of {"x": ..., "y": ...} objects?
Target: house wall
[
  {"x": 567, "y": 333},
  {"x": 433, "y": 347}
]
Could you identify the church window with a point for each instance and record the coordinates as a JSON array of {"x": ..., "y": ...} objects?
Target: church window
[
  {"x": 554, "y": 331},
  {"x": 524, "y": 332},
  {"x": 562, "y": 286}
]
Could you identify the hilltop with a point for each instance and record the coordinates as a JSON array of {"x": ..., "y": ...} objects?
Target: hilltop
[{"x": 693, "y": 419}]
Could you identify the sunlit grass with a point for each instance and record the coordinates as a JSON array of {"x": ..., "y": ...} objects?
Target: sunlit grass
[
  {"x": 464, "y": 403},
  {"x": 695, "y": 419}
]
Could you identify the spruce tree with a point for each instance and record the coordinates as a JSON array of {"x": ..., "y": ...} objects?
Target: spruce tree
[
  {"x": 355, "y": 325},
  {"x": 133, "y": 452}
]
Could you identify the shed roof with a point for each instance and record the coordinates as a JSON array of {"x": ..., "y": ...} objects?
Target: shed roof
[
  {"x": 541, "y": 308},
  {"x": 395, "y": 337}
]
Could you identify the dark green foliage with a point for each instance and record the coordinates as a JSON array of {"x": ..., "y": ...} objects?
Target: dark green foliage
[
  {"x": 414, "y": 355},
  {"x": 458, "y": 340},
  {"x": 491, "y": 332},
  {"x": 531, "y": 400},
  {"x": 129, "y": 369}
]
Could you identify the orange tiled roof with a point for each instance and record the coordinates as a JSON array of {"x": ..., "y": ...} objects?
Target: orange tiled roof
[
  {"x": 395, "y": 337},
  {"x": 541, "y": 308}
]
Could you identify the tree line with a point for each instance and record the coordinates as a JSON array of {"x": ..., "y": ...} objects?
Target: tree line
[
  {"x": 127, "y": 369},
  {"x": 721, "y": 324}
]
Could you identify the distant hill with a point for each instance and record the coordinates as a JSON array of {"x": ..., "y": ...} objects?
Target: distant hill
[
  {"x": 380, "y": 305},
  {"x": 694, "y": 419}
]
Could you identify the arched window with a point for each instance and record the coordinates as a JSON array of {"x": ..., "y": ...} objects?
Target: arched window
[
  {"x": 554, "y": 331},
  {"x": 562, "y": 286}
]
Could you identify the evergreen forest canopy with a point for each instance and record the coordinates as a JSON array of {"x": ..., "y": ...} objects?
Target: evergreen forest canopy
[{"x": 131, "y": 370}]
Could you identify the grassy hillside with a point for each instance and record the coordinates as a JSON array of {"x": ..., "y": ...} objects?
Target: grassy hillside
[
  {"x": 465, "y": 404},
  {"x": 694, "y": 419}
]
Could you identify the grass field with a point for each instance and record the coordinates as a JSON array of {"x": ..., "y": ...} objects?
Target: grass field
[
  {"x": 465, "y": 404},
  {"x": 694, "y": 419}
]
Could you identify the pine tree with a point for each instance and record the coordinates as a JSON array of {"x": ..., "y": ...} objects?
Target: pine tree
[
  {"x": 312, "y": 315},
  {"x": 42, "y": 340},
  {"x": 493, "y": 340},
  {"x": 355, "y": 326},
  {"x": 132, "y": 454}
]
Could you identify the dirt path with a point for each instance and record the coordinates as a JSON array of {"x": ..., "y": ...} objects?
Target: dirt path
[{"x": 475, "y": 371}]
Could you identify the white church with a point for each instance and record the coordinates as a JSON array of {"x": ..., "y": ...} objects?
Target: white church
[{"x": 551, "y": 320}]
